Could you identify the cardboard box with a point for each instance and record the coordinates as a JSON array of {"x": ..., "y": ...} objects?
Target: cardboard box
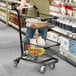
[
  {"x": 72, "y": 46},
  {"x": 64, "y": 42},
  {"x": 52, "y": 36}
]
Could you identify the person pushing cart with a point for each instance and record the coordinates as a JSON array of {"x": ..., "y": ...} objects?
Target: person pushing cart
[
  {"x": 43, "y": 7},
  {"x": 42, "y": 10}
]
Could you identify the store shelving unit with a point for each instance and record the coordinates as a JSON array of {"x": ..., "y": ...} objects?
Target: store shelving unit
[
  {"x": 70, "y": 4},
  {"x": 66, "y": 55},
  {"x": 6, "y": 7},
  {"x": 3, "y": 11}
]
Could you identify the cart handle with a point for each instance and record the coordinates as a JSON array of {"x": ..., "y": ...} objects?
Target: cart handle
[
  {"x": 32, "y": 6},
  {"x": 26, "y": 6}
]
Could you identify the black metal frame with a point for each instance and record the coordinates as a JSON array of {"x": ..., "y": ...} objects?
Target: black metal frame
[{"x": 43, "y": 62}]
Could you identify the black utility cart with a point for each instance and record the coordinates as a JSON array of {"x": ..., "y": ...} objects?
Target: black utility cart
[{"x": 47, "y": 59}]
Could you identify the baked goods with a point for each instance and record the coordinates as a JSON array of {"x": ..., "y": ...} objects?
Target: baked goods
[{"x": 39, "y": 24}]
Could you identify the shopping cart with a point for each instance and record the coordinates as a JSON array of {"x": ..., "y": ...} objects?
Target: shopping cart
[{"x": 47, "y": 60}]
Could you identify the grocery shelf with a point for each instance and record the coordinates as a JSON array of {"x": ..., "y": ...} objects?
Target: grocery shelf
[
  {"x": 13, "y": 12},
  {"x": 15, "y": 1},
  {"x": 70, "y": 4},
  {"x": 55, "y": 29},
  {"x": 18, "y": 2},
  {"x": 2, "y": 14},
  {"x": 62, "y": 16},
  {"x": 68, "y": 53},
  {"x": 23, "y": 30},
  {"x": 68, "y": 58},
  {"x": 3, "y": 8},
  {"x": 2, "y": 4},
  {"x": 2, "y": 18},
  {"x": 63, "y": 33}
]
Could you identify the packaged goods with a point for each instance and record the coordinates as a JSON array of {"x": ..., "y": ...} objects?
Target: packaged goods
[
  {"x": 40, "y": 41},
  {"x": 69, "y": 10},
  {"x": 11, "y": 17},
  {"x": 33, "y": 41},
  {"x": 39, "y": 24},
  {"x": 16, "y": 20},
  {"x": 22, "y": 21},
  {"x": 55, "y": 9},
  {"x": 64, "y": 42},
  {"x": 72, "y": 46},
  {"x": 35, "y": 23},
  {"x": 52, "y": 36},
  {"x": 31, "y": 50},
  {"x": 63, "y": 11},
  {"x": 74, "y": 12}
]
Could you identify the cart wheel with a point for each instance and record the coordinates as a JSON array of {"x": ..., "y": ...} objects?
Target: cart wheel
[
  {"x": 52, "y": 66},
  {"x": 16, "y": 62},
  {"x": 35, "y": 57},
  {"x": 42, "y": 69}
]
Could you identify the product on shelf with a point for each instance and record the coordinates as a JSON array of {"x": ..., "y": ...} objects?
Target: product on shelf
[
  {"x": 11, "y": 17},
  {"x": 67, "y": 26},
  {"x": 52, "y": 36},
  {"x": 22, "y": 21},
  {"x": 63, "y": 11},
  {"x": 14, "y": 19},
  {"x": 69, "y": 10},
  {"x": 74, "y": 12},
  {"x": 54, "y": 8},
  {"x": 72, "y": 46},
  {"x": 64, "y": 43}
]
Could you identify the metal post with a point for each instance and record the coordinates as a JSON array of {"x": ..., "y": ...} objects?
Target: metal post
[{"x": 7, "y": 12}]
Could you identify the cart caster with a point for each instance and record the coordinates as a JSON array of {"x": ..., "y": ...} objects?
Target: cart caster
[
  {"x": 52, "y": 66},
  {"x": 42, "y": 69},
  {"x": 16, "y": 62}
]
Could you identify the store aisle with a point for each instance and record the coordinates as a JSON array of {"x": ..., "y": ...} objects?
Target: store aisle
[{"x": 9, "y": 50}]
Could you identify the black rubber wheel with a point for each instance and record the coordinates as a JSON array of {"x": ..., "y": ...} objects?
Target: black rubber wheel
[
  {"x": 52, "y": 66},
  {"x": 42, "y": 69},
  {"x": 16, "y": 62}
]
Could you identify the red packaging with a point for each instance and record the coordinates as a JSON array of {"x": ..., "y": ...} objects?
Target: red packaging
[
  {"x": 69, "y": 10},
  {"x": 63, "y": 11},
  {"x": 16, "y": 20}
]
